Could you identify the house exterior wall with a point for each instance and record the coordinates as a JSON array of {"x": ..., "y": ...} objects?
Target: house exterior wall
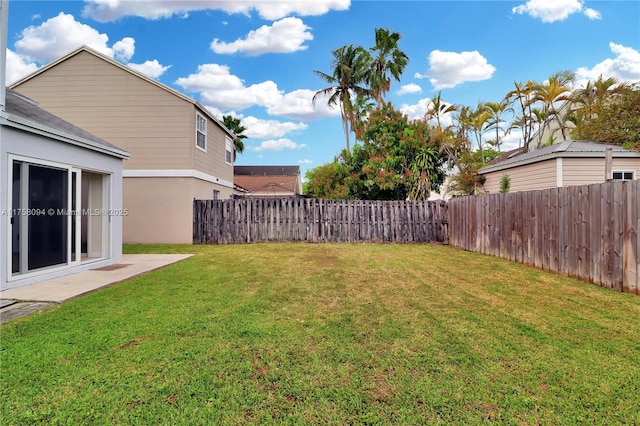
[
  {"x": 39, "y": 148},
  {"x": 529, "y": 177},
  {"x": 585, "y": 171},
  {"x": 160, "y": 210},
  {"x": 213, "y": 161},
  {"x": 154, "y": 124}
]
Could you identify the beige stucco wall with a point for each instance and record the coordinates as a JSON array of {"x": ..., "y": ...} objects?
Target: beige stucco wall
[
  {"x": 529, "y": 177},
  {"x": 160, "y": 210},
  {"x": 585, "y": 171}
]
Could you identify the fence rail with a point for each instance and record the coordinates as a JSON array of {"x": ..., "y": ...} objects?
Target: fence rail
[
  {"x": 587, "y": 232},
  {"x": 312, "y": 220}
]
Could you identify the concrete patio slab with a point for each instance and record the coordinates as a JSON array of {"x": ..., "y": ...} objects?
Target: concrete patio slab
[{"x": 71, "y": 286}]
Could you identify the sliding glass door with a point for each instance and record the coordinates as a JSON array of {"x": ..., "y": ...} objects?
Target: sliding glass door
[{"x": 45, "y": 216}]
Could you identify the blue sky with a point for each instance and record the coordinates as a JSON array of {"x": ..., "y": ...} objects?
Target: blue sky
[{"x": 255, "y": 59}]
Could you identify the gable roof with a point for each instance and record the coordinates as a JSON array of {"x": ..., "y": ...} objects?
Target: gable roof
[
  {"x": 25, "y": 114},
  {"x": 268, "y": 185},
  {"x": 123, "y": 67},
  {"x": 566, "y": 149}
]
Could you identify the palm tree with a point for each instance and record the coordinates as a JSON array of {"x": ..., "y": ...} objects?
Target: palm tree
[
  {"x": 595, "y": 94},
  {"x": 522, "y": 96},
  {"x": 438, "y": 109},
  {"x": 388, "y": 61},
  {"x": 425, "y": 170},
  {"x": 557, "y": 90},
  {"x": 238, "y": 130},
  {"x": 479, "y": 121},
  {"x": 497, "y": 109},
  {"x": 350, "y": 71}
]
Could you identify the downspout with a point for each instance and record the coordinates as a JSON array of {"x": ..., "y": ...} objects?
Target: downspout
[{"x": 4, "y": 30}]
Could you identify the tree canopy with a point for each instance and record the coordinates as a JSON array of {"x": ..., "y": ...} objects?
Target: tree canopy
[{"x": 397, "y": 158}]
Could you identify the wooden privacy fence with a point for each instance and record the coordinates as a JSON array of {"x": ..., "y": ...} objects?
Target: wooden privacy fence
[
  {"x": 587, "y": 232},
  {"x": 312, "y": 220}
]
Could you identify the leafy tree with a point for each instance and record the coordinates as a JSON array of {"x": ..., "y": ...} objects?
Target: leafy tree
[
  {"x": 397, "y": 160},
  {"x": 349, "y": 75},
  {"x": 615, "y": 119},
  {"x": 238, "y": 130},
  {"x": 388, "y": 61},
  {"x": 467, "y": 181},
  {"x": 403, "y": 158},
  {"x": 327, "y": 181}
]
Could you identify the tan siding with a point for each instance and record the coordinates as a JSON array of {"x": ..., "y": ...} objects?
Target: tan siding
[
  {"x": 213, "y": 161},
  {"x": 584, "y": 171},
  {"x": 524, "y": 178},
  {"x": 153, "y": 124}
]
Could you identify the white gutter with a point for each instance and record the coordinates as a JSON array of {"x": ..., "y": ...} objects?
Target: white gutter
[{"x": 4, "y": 30}]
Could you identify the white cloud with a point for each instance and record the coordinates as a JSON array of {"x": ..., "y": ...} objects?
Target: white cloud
[
  {"x": 112, "y": 10},
  {"x": 592, "y": 14},
  {"x": 277, "y": 145},
  {"x": 298, "y": 105},
  {"x": 222, "y": 91},
  {"x": 511, "y": 140},
  {"x": 284, "y": 36},
  {"x": 554, "y": 10},
  {"x": 61, "y": 34},
  {"x": 263, "y": 129},
  {"x": 305, "y": 161},
  {"x": 18, "y": 67},
  {"x": 416, "y": 111},
  {"x": 624, "y": 67},
  {"x": 419, "y": 110},
  {"x": 409, "y": 89},
  {"x": 449, "y": 69},
  {"x": 124, "y": 49},
  {"x": 151, "y": 68}
]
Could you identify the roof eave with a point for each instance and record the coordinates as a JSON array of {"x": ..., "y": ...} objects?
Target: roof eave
[
  {"x": 554, "y": 155},
  {"x": 21, "y": 123}
]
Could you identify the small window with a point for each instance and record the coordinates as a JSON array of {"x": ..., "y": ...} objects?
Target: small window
[
  {"x": 216, "y": 194},
  {"x": 201, "y": 132},
  {"x": 228, "y": 151},
  {"x": 623, "y": 175}
]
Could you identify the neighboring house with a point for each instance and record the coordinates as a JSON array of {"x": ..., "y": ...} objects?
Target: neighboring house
[
  {"x": 268, "y": 181},
  {"x": 61, "y": 196},
  {"x": 565, "y": 164},
  {"x": 179, "y": 151}
]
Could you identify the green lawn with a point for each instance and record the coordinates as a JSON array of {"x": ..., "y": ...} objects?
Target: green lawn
[{"x": 331, "y": 334}]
